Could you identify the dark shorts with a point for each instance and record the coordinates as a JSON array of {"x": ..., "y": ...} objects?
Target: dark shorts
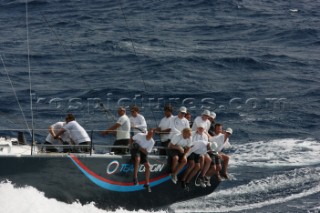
[
  {"x": 174, "y": 152},
  {"x": 136, "y": 153},
  {"x": 85, "y": 146},
  {"x": 195, "y": 157},
  {"x": 164, "y": 148},
  {"x": 215, "y": 159},
  {"x": 121, "y": 151},
  {"x": 49, "y": 147}
]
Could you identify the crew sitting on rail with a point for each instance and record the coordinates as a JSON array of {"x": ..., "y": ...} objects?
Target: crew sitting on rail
[{"x": 141, "y": 145}]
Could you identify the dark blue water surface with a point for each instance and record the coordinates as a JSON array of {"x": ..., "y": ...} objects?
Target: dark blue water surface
[{"x": 255, "y": 63}]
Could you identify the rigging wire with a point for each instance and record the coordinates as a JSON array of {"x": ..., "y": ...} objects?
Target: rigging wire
[
  {"x": 135, "y": 53},
  {"x": 134, "y": 49},
  {"x": 15, "y": 94}
]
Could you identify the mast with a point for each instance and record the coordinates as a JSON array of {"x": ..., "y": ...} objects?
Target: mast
[{"x": 29, "y": 71}]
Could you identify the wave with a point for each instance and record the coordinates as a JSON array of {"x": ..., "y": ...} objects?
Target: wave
[
  {"x": 276, "y": 153},
  {"x": 36, "y": 202},
  {"x": 276, "y": 189}
]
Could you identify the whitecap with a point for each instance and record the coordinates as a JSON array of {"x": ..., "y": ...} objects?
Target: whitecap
[
  {"x": 276, "y": 189},
  {"x": 294, "y": 10},
  {"x": 275, "y": 153}
]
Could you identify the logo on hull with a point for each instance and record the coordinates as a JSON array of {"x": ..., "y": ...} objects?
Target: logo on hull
[{"x": 116, "y": 185}]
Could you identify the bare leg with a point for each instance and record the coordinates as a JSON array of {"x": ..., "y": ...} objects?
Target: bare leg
[
  {"x": 212, "y": 170},
  {"x": 180, "y": 165},
  {"x": 189, "y": 169},
  {"x": 194, "y": 172},
  {"x": 206, "y": 166},
  {"x": 147, "y": 172},
  {"x": 201, "y": 160},
  {"x": 225, "y": 159},
  {"x": 174, "y": 164},
  {"x": 136, "y": 166}
]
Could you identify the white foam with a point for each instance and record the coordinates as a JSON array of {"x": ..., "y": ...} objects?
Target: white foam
[
  {"x": 241, "y": 208},
  {"x": 280, "y": 152},
  {"x": 276, "y": 189},
  {"x": 30, "y": 200}
]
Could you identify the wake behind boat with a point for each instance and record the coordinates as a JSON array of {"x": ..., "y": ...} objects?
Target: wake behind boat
[{"x": 105, "y": 179}]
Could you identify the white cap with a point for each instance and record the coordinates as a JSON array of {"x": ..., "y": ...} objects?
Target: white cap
[
  {"x": 229, "y": 130},
  {"x": 183, "y": 109},
  {"x": 213, "y": 115},
  {"x": 206, "y": 112},
  {"x": 201, "y": 125}
]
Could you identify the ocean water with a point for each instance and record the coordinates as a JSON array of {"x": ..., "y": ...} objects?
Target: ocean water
[{"x": 255, "y": 63}]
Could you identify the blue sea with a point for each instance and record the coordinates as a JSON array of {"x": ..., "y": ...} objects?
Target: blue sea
[{"x": 254, "y": 63}]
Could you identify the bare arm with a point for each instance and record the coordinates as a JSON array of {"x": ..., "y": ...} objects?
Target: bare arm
[
  {"x": 61, "y": 131},
  {"x": 186, "y": 150},
  {"x": 165, "y": 131},
  {"x": 111, "y": 129},
  {"x": 51, "y": 131},
  {"x": 177, "y": 147}
]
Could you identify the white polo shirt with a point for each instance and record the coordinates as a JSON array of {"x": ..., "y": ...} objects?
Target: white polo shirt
[
  {"x": 123, "y": 132},
  {"x": 138, "y": 122},
  {"x": 198, "y": 120},
  {"x": 140, "y": 138},
  {"x": 199, "y": 137},
  {"x": 177, "y": 125},
  {"x": 165, "y": 124},
  {"x": 77, "y": 133},
  {"x": 219, "y": 139},
  {"x": 56, "y": 128},
  {"x": 179, "y": 140},
  {"x": 199, "y": 147}
]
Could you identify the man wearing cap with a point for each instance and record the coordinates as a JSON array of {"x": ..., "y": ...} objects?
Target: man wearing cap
[
  {"x": 196, "y": 157},
  {"x": 178, "y": 122},
  {"x": 212, "y": 119},
  {"x": 215, "y": 166},
  {"x": 164, "y": 129},
  {"x": 203, "y": 119},
  {"x": 122, "y": 130},
  {"x": 222, "y": 140}
]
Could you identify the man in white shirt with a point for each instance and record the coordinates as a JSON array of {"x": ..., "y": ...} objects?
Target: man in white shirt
[
  {"x": 203, "y": 119},
  {"x": 179, "y": 122},
  {"x": 142, "y": 144},
  {"x": 64, "y": 138},
  {"x": 215, "y": 166},
  {"x": 198, "y": 160},
  {"x": 196, "y": 156},
  {"x": 122, "y": 130},
  {"x": 179, "y": 146},
  {"x": 77, "y": 133},
  {"x": 222, "y": 140},
  {"x": 137, "y": 121},
  {"x": 164, "y": 129}
]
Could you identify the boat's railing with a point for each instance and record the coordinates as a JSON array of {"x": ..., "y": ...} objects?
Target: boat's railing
[
  {"x": 99, "y": 146},
  {"x": 96, "y": 146}
]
